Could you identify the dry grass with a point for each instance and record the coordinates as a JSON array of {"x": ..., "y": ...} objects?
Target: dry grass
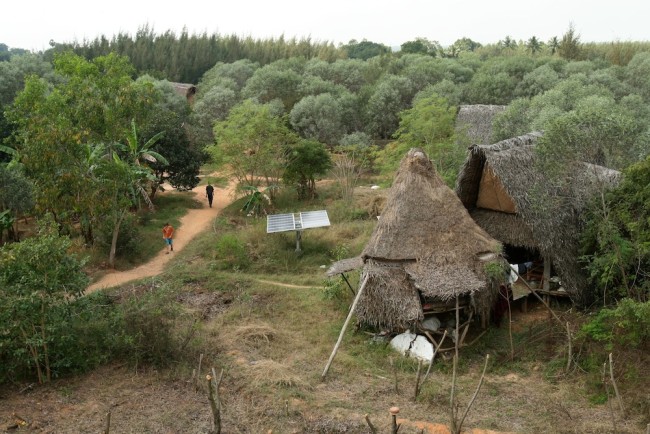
[
  {"x": 371, "y": 201},
  {"x": 272, "y": 373},
  {"x": 254, "y": 334}
]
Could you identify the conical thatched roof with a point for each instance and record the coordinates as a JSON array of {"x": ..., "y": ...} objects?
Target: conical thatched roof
[
  {"x": 425, "y": 244},
  {"x": 543, "y": 216},
  {"x": 475, "y": 122}
]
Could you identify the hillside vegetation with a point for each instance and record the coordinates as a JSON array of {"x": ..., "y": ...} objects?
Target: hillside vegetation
[{"x": 94, "y": 135}]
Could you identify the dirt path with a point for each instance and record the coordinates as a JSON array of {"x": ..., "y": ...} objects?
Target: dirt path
[{"x": 191, "y": 224}]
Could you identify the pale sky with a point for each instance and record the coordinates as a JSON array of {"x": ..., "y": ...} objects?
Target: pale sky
[{"x": 31, "y": 24}]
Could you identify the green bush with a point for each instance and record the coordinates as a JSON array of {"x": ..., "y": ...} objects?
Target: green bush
[
  {"x": 628, "y": 324},
  {"x": 85, "y": 333},
  {"x": 146, "y": 327},
  {"x": 334, "y": 289},
  {"x": 128, "y": 240},
  {"x": 230, "y": 253},
  {"x": 39, "y": 281}
]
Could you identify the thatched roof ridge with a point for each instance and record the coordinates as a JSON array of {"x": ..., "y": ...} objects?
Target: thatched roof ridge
[
  {"x": 345, "y": 265},
  {"x": 548, "y": 213},
  {"x": 475, "y": 122},
  {"x": 186, "y": 90},
  {"x": 423, "y": 217}
]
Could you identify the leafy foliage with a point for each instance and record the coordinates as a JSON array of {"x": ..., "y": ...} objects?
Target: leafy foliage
[
  {"x": 38, "y": 280},
  {"x": 230, "y": 253},
  {"x": 253, "y": 141},
  {"x": 626, "y": 324},
  {"x": 305, "y": 162},
  {"x": 616, "y": 240},
  {"x": 430, "y": 126}
]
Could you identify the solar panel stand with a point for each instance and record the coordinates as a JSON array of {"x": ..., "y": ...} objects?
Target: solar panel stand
[
  {"x": 298, "y": 238},
  {"x": 297, "y": 218}
]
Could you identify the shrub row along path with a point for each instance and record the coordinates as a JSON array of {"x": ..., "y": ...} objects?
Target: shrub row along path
[{"x": 191, "y": 224}]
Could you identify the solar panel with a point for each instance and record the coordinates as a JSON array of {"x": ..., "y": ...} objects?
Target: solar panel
[
  {"x": 280, "y": 223},
  {"x": 314, "y": 219},
  {"x": 296, "y": 222}
]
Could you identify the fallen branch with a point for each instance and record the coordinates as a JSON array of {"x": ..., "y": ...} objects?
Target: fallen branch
[{"x": 478, "y": 388}]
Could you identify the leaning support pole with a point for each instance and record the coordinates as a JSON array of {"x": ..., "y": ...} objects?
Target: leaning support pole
[
  {"x": 567, "y": 327},
  {"x": 345, "y": 326}
]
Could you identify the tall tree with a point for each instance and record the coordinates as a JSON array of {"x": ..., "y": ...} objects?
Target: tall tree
[
  {"x": 93, "y": 102},
  {"x": 253, "y": 140},
  {"x": 421, "y": 46},
  {"x": 533, "y": 45},
  {"x": 570, "y": 47},
  {"x": 319, "y": 118}
]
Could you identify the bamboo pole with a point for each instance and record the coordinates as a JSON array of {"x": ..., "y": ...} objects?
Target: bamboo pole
[
  {"x": 611, "y": 374},
  {"x": 345, "y": 326}
]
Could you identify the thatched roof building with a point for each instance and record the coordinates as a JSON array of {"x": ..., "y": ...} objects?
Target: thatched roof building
[
  {"x": 474, "y": 123},
  {"x": 516, "y": 203},
  {"x": 186, "y": 90},
  {"x": 425, "y": 247}
]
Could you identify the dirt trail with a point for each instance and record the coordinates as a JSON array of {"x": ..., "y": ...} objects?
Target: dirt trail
[{"x": 191, "y": 224}]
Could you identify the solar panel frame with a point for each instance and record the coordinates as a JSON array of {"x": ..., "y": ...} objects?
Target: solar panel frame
[
  {"x": 314, "y": 219},
  {"x": 296, "y": 222},
  {"x": 280, "y": 223}
]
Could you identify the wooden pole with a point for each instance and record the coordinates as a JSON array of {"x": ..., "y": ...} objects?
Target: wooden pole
[
  {"x": 348, "y": 282},
  {"x": 345, "y": 326},
  {"x": 546, "y": 277},
  {"x": 478, "y": 388},
  {"x": 611, "y": 374}
]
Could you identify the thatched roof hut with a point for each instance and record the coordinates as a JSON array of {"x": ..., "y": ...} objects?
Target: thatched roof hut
[
  {"x": 425, "y": 247},
  {"x": 516, "y": 203},
  {"x": 474, "y": 122},
  {"x": 186, "y": 90}
]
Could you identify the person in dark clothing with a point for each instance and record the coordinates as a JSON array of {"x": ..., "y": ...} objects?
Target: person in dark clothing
[{"x": 209, "y": 192}]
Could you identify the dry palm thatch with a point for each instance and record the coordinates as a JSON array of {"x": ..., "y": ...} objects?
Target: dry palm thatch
[
  {"x": 185, "y": 90},
  {"x": 474, "y": 122},
  {"x": 424, "y": 245},
  {"x": 545, "y": 214},
  {"x": 345, "y": 265}
]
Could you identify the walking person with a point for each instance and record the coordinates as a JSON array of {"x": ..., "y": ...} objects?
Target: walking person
[
  {"x": 209, "y": 192},
  {"x": 168, "y": 233}
]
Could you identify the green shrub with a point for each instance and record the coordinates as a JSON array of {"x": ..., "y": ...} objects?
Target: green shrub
[
  {"x": 628, "y": 324},
  {"x": 230, "y": 253},
  {"x": 334, "y": 289},
  {"x": 39, "y": 281},
  {"x": 146, "y": 325},
  {"x": 128, "y": 240}
]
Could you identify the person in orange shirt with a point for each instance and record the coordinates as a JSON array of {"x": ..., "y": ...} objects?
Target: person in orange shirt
[{"x": 168, "y": 233}]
